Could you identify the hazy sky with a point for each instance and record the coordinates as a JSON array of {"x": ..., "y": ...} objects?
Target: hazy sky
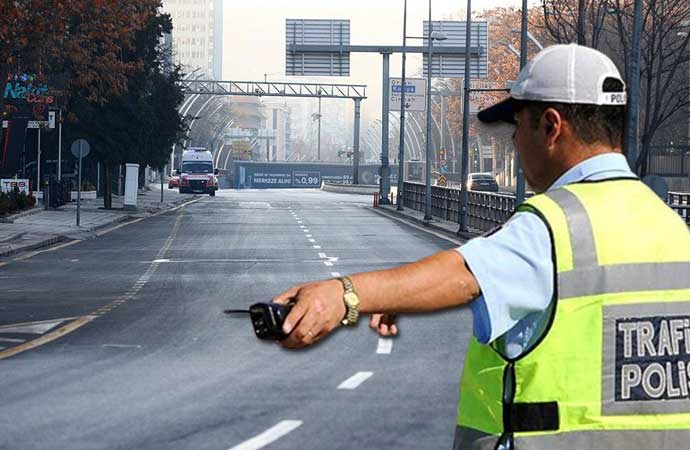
[{"x": 254, "y": 36}]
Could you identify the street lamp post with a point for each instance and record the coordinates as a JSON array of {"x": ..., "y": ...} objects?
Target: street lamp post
[
  {"x": 401, "y": 154},
  {"x": 464, "y": 198},
  {"x": 427, "y": 203},
  {"x": 633, "y": 111},
  {"x": 317, "y": 117},
  {"x": 686, "y": 24},
  {"x": 431, "y": 36},
  {"x": 524, "y": 35}
]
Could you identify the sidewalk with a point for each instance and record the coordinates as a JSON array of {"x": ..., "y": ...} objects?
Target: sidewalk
[
  {"x": 38, "y": 228},
  {"x": 444, "y": 227}
]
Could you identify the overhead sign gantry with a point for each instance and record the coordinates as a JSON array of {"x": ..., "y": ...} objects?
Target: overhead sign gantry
[
  {"x": 356, "y": 92},
  {"x": 322, "y": 48}
]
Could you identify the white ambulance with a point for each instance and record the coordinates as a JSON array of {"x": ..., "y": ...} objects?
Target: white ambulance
[{"x": 197, "y": 175}]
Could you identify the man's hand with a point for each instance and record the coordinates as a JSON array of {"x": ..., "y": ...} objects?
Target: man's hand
[
  {"x": 384, "y": 324},
  {"x": 318, "y": 310}
]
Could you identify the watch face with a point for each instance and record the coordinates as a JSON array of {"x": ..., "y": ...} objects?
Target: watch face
[{"x": 352, "y": 300}]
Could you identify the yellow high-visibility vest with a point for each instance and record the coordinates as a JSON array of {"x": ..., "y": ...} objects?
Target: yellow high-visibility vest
[{"x": 612, "y": 369}]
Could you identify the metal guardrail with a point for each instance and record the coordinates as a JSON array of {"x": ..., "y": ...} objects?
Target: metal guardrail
[{"x": 486, "y": 210}]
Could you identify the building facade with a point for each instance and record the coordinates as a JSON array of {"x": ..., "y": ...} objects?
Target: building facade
[{"x": 197, "y": 36}]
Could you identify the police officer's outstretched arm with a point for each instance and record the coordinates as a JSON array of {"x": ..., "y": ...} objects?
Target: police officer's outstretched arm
[{"x": 436, "y": 282}]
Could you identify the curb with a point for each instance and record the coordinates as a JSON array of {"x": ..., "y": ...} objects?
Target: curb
[
  {"x": 359, "y": 189},
  {"x": 430, "y": 225},
  {"x": 11, "y": 218},
  {"x": 40, "y": 244},
  {"x": 61, "y": 238}
]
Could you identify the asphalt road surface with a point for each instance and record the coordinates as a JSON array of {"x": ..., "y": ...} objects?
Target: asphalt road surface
[{"x": 120, "y": 342}]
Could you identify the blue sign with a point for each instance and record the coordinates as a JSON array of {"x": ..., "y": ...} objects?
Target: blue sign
[
  {"x": 409, "y": 89},
  {"x": 262, "y": 175}
]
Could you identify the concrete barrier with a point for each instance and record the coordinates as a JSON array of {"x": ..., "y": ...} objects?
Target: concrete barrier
[{"x": 363, "y": 189}]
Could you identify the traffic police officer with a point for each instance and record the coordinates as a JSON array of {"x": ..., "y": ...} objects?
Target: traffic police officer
[{"x": 581, "y": 301}]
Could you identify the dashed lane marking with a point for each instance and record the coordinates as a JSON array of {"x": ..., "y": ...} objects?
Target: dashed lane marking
[
  {"x": 43, "y": 326},
  {"x": 355, "y": 380},
  {"x": 269, "y": 436},
  {"x": 385, "y": 346},
  {"x": 335, "y": 274},
  {"x": 312, "y": 240},
  {"x": 322, "y": 255}
]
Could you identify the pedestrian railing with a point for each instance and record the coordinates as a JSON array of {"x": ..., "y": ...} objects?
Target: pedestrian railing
[
  {"x": 680, "y": 202},
  {"x": 486, "y": 210}
]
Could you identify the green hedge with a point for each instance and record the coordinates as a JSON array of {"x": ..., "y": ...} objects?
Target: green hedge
[{"x": 12, "y": 202}]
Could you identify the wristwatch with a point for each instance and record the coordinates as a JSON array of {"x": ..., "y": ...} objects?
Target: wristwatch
[{"x": 351, "y": 300}]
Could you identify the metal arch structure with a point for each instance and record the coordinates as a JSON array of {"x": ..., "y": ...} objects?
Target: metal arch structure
[
  {"x": 442, "y": 129},
  {"x": 410, "y": 138},
  {"x": 420, "y": 132},
  {"x": 413, "y": 135},
  {"x": 356, "y": 92}
]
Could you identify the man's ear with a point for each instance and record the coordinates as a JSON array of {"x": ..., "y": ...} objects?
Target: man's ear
[{"x": 552, "y": 123}]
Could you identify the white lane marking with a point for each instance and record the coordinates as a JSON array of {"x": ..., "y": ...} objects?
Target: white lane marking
[
  {"x": 271, "y": 435},
  {"x": 335, "y": 274},
  {"x": 16, "y": 341},
  {"x": 306, "y": 231},
  {"x": 161, "y": 260},
  {"x": 309, "y": 235},
  {"x": 385, "y": 346},
  {"x": 312, "y": 240},
  {"x": 255, "y": 205},
  {"x": 328, "y": 263},
  {"x": 318, "y": 247},
  {"x": 302, "y": 227},
  {"x": 322, "y": 255},
  {"x": 355, "y": 380},
  {"x": 299, "y": 222}
]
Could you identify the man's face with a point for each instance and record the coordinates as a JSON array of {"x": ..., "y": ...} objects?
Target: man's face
[{"x": 530, "y": 144}]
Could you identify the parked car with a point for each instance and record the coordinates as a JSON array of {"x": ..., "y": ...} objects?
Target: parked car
[
  {"x": 481, "y": 182},
  {"x": 173, "y": 182}
]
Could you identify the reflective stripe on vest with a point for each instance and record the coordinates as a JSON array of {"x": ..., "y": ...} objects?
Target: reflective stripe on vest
[{"x": 613, "y": 368}]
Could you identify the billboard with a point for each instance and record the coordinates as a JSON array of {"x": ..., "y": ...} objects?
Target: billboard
[
  {"x": 334, "y": 33},
  {"x": 453, "y": 66},
  {"x": 263, "y": 175}
]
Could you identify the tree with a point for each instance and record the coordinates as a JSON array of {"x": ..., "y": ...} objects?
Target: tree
[
  {"x": 665, "y": 53},
  {"x": 141, "y": 123}
]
